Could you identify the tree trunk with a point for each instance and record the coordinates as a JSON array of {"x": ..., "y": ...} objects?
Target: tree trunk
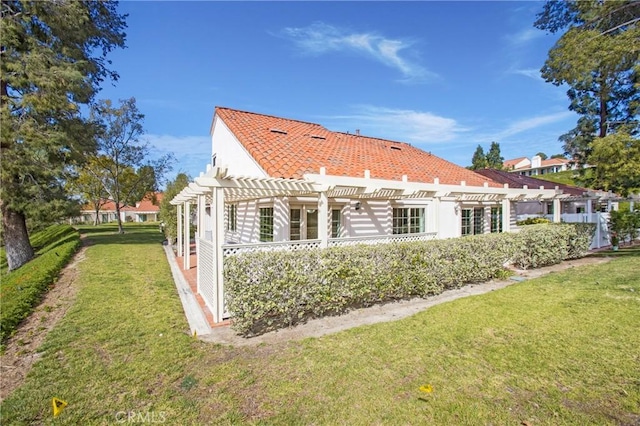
[
  {"x": 16, "y": 238},
  {"x": 120, "y": 228},
  {"x": 96, "y": 221}
]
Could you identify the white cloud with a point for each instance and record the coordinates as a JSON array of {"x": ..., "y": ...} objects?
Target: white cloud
[
  {"x": 400, "y": 124},
  {"x": 532, "y": 123},
  {"x": 533, "y": 73},
  {"x": 320, "y": 38},
  {"x": 524, "y": 36}
]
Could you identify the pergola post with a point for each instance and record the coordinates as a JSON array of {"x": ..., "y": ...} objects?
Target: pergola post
[
  {"x": 323, "y": 219},
  {"x": 186, "y": 260},
  {"x": 217, "y": 214},
  {"x": 506, "y": 215},
  {"x": 179, "y": 229},
  {"x": 557, "y": 213}
]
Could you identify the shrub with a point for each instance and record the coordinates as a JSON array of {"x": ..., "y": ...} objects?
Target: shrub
[
  {"x": 23, "y": 288},
  {"x": 580, "y": 240},
  {"x": 533, "y": 221},
  {"x": 269, "y": 290}
]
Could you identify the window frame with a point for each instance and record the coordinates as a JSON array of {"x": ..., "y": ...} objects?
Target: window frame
[
  {"x": 265, "y": 228},
  {"x": 408, "y": 220}
]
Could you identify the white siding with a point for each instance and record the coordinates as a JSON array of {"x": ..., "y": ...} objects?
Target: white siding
[
  {"x": 247, "y": 222},
  {"x": 231, "y": 154},
  {"x": 373, "y": 218}
]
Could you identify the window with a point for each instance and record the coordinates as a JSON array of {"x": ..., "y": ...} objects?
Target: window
[
  {"x": 549, "y": 208},
  {"x": 294, "y": 224},
  {"x": 478, "y": 220},
  {"x": 336, "y": 227},
  {"x": 266, "y": 224},
  {"x": 496, "y": 219},
  {"x": 472, "y": 221},
  {"x": 312, "y": 224},
  {"x": 408, "y": 220},
  {"x": 467, "y": 214},
  {"x": 232, "y": 217}
]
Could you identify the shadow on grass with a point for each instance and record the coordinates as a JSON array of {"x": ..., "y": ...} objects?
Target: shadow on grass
[
  {"x": 133, "y": 234},
  {"x": 631, "y": 251}
]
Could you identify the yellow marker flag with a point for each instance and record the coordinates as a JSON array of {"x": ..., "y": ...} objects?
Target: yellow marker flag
[
  {"x": 58, "y": 406},
  {"x": 195, "y": 334}
]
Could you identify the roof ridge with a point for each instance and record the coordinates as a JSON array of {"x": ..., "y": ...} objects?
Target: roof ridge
[{"x": 270, "y": 116}]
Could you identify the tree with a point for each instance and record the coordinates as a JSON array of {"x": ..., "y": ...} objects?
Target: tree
[
  {"x": 479, "y": 160},
  {"x": 542, "y": 155},
  {"x": 560, "y": 156},
  {"x": 89, "y": 185},
  {"x": 494, "y": 159},
  {"x": 598, "y": 58},
  {"x": 618, "y": 163},
  {"x": 127, "y": 172},
  {"x": 52, "y": 59},
  {"x": 168, "y": 212}
]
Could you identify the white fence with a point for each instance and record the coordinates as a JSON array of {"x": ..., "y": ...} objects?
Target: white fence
[
  {"x": 601, "y": 237},
  {"x": 381, "y": 239},
  {"x": 231, "y": 249}
]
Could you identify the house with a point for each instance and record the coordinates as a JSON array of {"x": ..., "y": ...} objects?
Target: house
[
  {"x": 537, "y": 166},
  {"x": 576, "y": 204},
  {"x": 145, "y": 210},
  {"x": 283, "y": 184}
]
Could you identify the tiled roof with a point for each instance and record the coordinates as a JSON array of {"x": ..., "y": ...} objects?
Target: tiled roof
[
  {"x": 513, "y": 162},
  {"x": 287, "y": 148},
  {"x": 518, "y": 181},
  {"x": 145, "y": 205}
]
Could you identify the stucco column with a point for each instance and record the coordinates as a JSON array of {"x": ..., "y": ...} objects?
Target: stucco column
[
  {"x": 179, "y": 229},
  {"x": 436, "y": 219},
  {"x": 557, "y": 213},
  {"x": 506, "y": 216},
  {"x": 323, "y": 219}
]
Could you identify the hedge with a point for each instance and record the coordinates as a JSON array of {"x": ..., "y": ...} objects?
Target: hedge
[
  {"x": 270, "y": 290},
  {"x": 23, "y": 288}
]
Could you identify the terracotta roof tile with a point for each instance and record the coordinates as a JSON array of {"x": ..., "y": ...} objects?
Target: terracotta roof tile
[
  {"x": 516, "y": 180},
  {"x": 290, "y": 148}
]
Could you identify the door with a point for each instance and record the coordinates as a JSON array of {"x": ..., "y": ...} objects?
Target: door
[{"x": 312, "y": 224}]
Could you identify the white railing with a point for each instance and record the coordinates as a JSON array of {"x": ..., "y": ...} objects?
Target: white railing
[
  {"x": 231, "y": 249},
  {"x": 381, "y": 239}
]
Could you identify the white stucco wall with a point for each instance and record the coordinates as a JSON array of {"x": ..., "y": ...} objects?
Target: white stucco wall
[
  {"x": 449, "y": 220},
  {"x": 231, "y": 154}
]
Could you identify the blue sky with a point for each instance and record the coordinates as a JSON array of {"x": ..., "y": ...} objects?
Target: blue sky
[{"x": 443, "y": 76}]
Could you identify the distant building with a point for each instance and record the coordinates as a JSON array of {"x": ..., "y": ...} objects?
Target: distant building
[
  {"x": 145, "y": 210},
  {"x": 537, "y": 166}
]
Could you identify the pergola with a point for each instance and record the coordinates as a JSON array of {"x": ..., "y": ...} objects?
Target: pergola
[{"x": 217, "y": 187}]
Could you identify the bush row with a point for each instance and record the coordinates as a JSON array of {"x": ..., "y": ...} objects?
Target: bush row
[
  {"x": 24, "y": 287},
  {"x": 271, "y": 290}
]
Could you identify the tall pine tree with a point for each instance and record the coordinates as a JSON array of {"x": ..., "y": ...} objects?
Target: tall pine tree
[{"x": 53, "y": 59}]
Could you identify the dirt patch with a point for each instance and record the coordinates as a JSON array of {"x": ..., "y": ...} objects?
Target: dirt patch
[
  {"x": 21, "y": 349},
  {"x": 385, "y": 312}
]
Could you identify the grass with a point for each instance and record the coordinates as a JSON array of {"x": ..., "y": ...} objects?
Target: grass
[
  {"x": 567, "y": 177},
  {"x": 23, "y": 288},
  {"x": 557, "y": 350}
]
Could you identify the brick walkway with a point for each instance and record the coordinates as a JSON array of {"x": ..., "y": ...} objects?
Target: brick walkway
[{"x": 191, "y": 276}]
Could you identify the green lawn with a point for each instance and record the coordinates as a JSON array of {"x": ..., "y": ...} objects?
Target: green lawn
[{"x": 558, "y": 350}]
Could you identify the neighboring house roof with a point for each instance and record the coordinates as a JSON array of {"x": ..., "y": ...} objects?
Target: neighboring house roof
[
  {"x": 146, "y": 205},
  {"x": 515, "y": 180},
  {"x": 510, "y": 164},
  {"x": 554, "y": 161},
  {"x": 286, "y": 148}
]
